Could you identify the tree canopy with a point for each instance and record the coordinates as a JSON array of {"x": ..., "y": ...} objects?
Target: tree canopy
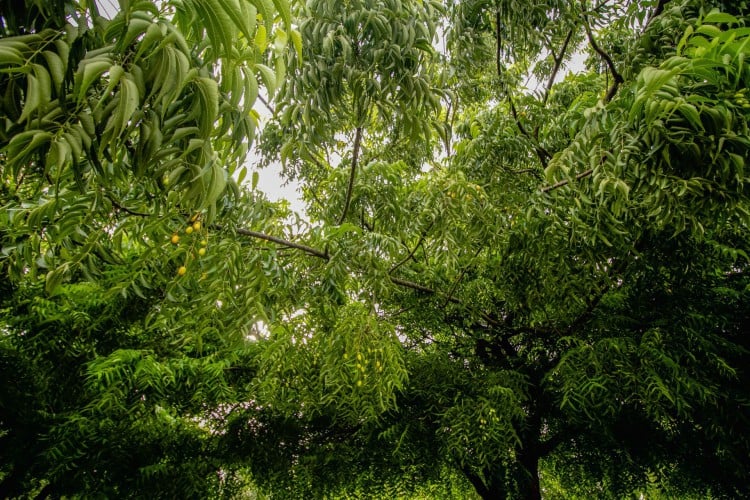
[{"x": 510, "y": 280}]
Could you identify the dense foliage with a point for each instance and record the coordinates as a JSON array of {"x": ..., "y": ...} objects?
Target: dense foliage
[{"x": 500, "y": 288}]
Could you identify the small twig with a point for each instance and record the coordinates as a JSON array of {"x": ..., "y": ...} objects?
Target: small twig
[
  {"x": 498, "y": 49},
  {"x": 352, "y": 174},
  {"x": 459, "y": 278},
  {"x": 527, "y": 171}
]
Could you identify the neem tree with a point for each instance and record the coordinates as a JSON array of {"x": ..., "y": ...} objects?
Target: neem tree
[{"x": 523, "y": 293}]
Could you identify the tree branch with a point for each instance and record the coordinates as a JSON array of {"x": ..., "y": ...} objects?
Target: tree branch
[
  {"x": 413, "y": 250},
  {"x": 280, "y": 241},
  {"x": 562, "y": 183},
  {"x": 558, "y": 64},
  {"x": 617, "y": 78},
  {"x": 266, "y": 104},
  {"x": 352, "y": 174},
  {"x": 657, "y": 11},
  {"x": 498, "y": 46},
  {"x": 314, "y": 252},
  {"x": 541, "y": 153},
  {"x": 125, "y": 209}
]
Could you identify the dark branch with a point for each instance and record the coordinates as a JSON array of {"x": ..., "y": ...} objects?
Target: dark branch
[
  {"x": 558, "y": 64},
  {"x": 413, "y": 250},
  {"x": 498, "y": 49},
  {"x": 325, "y": 256},
  {"x": 266, "y": 104},
  {"x": 562, "y": 183},
  {"x": 541, "y": 153},
  {"x": 125, "y": 209},
  {"x": 280, "y": 241},
  {"x": 617, "y": 78},
  {"x": 527, "y": 171},
  {"x": 352, "y": 174},
  {"x": 460, "y": 278},
  {"x": 657, "y": 11}
]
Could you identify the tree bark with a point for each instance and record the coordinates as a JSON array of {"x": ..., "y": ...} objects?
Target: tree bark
[{"x": 529, "y": 484}]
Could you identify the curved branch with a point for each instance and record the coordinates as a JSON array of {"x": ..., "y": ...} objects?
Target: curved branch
[
  {"x": 352, "y": 174},
  {"x": 617, "y": 78},
  {"x": 413, "y": 250}
]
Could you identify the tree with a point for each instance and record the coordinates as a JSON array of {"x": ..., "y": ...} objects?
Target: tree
[{"x": 520, "y": 293}]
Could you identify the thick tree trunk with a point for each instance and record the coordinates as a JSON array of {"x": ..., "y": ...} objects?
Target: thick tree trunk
[{"x": 529, "y": 483}]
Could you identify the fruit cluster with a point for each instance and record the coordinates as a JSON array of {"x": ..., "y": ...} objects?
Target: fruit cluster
[
  {"x": 362, "y": 365},
  {"x": 198, "y": 242}
]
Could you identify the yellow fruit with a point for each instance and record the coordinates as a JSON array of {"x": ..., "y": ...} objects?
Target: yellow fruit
[
  {"x": 188, "y": 230},
  {"x": 204, "y": 243},
  {"x": 202, "y": 252},
  {"x": 175, "y": 239},
  {"x": 197, "y": 225},
  {"x": 359, "y": 383},
  {"x": 182, "y": 270},
  {"x": 359, "y": 357}
]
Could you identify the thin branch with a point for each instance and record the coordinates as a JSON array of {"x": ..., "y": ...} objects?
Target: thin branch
[
  {"x": 617, "y": 78},
  {"x": 558, "y": 64},
  {"x": 541, "y": 153},
  {"x": 413, "y": 250},
  {"x": 325, "y": 256},
  {"x": 498, "y": 49},
  {"x": 266, "y": 104},
  {"x": 125, "y": 209},
  {"x": 352, "y": 174},
  {"x": 527, "y": 171},
  {"x": 562, "y": 183},
  {"x": 280, "y": 241},
  {"x": 460, "y": 278}
]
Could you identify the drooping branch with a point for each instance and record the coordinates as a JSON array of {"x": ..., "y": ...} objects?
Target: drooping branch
[
  {"x": 617, "y": 78},
  {"x": 123, "y": 208},
  {"x": 352, "y": 174}
]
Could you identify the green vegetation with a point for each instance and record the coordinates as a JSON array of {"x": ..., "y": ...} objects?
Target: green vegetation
[{"x": 494, "y": 292}]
